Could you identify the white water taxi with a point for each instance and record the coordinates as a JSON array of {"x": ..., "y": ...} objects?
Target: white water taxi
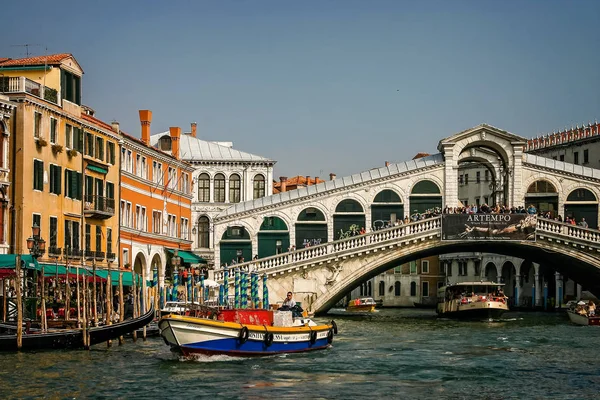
[{"x": 475, "y": 300}]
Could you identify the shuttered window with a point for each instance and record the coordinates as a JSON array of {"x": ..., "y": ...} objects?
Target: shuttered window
[
  {"x": 73, "y": 186},
  {"x": 38, "y": 175},
  {"x": 55, "y": 176}
]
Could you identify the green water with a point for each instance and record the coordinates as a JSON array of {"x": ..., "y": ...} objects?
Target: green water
[{"x": 407, "y": 354}]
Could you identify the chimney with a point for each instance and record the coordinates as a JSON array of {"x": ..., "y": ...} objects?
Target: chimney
[
  {"x": 387, "y": 163},
  {"x": 316, "y": 180},
  {"x": 307, "y": 180},
  {"x": 146, "y": 119},
  {"x": 283, "y": 180},
  {"x": 175, "y": 135},
  {"x": 194, "y": 125},
  {"x": 115, "y": 126},
  {"x": 331, "y": 176}
]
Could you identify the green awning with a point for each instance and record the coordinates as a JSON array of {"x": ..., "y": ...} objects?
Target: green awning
[
  {"x": 188, "y": 257},
  {"x": 51, "y": 270},
  {"x": 9, "y": 261},
  {"x": 114, "y": 277},
  {"x": 97, "y": 169}
]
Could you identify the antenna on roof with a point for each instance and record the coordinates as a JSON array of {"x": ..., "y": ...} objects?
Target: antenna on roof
[{"x": 26, "y": 45}]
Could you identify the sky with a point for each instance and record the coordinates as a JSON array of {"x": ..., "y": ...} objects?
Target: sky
[{"x": 325, "y": 86}]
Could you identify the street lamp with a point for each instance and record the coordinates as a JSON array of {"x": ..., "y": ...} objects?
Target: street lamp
[
  {"x": 37, "y": 247},
  {"x": 176, "y": 261}
]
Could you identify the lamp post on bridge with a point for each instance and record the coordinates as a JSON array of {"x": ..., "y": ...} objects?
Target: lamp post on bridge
[{"x": 37, "y": 247}]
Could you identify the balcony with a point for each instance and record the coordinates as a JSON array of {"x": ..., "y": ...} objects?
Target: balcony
[
  {"x": 20, "y": 84},
  {"x": 54, "y": 252},
  {"x": 89, "y": 254},
  {"x": 99, "y": 207},
  {"x": 72, "y": 253},
  {"x": 99, "y": 256},
  {"x": 110, "y": 257}
]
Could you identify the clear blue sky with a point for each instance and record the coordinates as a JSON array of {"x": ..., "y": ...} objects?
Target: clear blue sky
[{"x": 326, "y": 86}]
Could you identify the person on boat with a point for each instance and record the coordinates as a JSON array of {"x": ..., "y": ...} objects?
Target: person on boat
[
  {"x": 289, "y": 301},
  {"x": 591, "y": 308}
]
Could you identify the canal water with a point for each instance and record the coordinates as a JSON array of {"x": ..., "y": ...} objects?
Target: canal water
[{"x": 393, "y": 353}]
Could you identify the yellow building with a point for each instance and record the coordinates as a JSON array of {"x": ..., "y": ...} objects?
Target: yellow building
[{"x": 64, "y": 164}]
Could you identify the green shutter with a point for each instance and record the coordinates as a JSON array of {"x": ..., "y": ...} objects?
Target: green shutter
[
  {"x": 67, "y": 191},
  {"x": 80, "y": 185},
  {"x": 80, "y": 137},
  {"x": 73, "y": 190},
  {"x": 58, "y": 171}
]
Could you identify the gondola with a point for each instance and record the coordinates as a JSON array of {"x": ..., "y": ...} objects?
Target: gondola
[{"x": 73, "y": 338}]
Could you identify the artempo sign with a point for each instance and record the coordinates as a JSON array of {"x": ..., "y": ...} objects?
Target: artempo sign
[{"x": 488, "y": 227}]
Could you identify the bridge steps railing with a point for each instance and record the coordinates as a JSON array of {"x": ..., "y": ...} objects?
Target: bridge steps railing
[
  {"x": 351, "y": 245},
  {"x": 568, "y": 230},
  {"x": 335, "y": 248}
]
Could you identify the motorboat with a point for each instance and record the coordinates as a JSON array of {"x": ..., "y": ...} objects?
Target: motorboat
[
  {"x": 472, "y": 300},
  {"x": 362, "y": 304},
  {"x": 579, "y": 313},
  {"x": 245, "y": 332}
]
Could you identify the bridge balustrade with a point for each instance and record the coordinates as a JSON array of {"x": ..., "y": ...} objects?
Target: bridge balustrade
[{"x": 339, "y": 247}]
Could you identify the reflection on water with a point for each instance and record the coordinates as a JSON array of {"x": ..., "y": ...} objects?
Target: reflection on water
[{"x": 399, "y": 353}]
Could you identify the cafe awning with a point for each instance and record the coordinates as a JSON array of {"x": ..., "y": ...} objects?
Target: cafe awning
[
  {"x": 9, "y": 261},
  {"x": 188, "y": 257}
]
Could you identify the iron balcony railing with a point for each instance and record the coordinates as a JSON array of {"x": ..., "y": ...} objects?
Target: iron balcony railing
[
  {"x": 73, "y": 253},
  {"x": 54, "y": 251},
  {"x": 100, "y": 204},
  {"x": 20, "y": 84},
  {"x": 89, "y": 254},
  {"x": 110, "y": 256},
  {"x": 99, "y": 255}
]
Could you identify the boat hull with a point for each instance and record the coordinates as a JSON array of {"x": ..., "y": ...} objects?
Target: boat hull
[
  {"x": 479, "y": 310},
  {"x": 583, "y": 319},
  {"x": 204, "y": 336},
  {"x": 369, "y": 308}
]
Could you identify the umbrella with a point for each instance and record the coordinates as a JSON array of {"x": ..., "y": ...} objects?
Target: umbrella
[{"x": 208, "y": 283}]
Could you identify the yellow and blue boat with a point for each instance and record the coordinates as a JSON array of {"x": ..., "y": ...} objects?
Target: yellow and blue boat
[{"x": 244, "y": 332}]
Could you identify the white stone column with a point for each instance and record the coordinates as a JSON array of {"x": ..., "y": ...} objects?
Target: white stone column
[
  {"x": 537, "y": 286},
  {"x": 211, "y": 193},
  {"x": 516, "y": 188},
  {"x": 558, "y": 291},
  {"x": 450, "y": 177},
  {"x": 226, "y": 190}
]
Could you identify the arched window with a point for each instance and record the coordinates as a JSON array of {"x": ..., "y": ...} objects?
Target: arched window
[
  {"x": 203, "y": 232},
  {"x": 203, "y": 188},
  {"x": 397, "y": 288},
  {"x": 381, "y": 288},
  {"x": 541, "y": 187},
  {"x": 413, "y": 288},
  {"x": 234, "y": 188},
  {"x": 259, "y": 186},
  {"x": 219, "y": 188}
]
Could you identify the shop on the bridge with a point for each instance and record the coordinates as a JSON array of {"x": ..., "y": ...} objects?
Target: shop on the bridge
[
  {"x": 424, "y": 196},
  {"x": 582, "y": 203},
  {"x": 273, "y": 237},
  {"x": 311, "y": 228},
  {"x": 543, "y": 196},
  {"x": 348, "y": 213},
  {"x": 235, "y": 245},
  {"x": 387, "y": 207}
]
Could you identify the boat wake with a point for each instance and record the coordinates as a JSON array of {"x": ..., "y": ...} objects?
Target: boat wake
[{"x": 207, "y": 358}]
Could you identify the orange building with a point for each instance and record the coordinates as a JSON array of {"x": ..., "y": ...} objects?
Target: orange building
[
  {"x": 64, "y": 163},
  {"x": 296, "y": 182},
  {"x": 156, "y": 204}
]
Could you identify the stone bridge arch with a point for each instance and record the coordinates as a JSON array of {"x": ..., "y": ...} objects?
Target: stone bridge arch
[{"x": 335, "y": 279}]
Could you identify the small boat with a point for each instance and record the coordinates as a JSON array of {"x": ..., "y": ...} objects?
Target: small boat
[
  {"x": 71, "y": 338},
  {"x": 363, "y": 304},
  {"x": 245, "y": 332},
  {"x": 472, "y": 300},
  {"x": 583, "y": 319}
]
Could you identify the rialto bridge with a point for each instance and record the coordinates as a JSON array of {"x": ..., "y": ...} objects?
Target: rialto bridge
[{"x": 296, "y": 234}]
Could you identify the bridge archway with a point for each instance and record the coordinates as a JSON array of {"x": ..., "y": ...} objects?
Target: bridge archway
[
  {"x": 491, "y": 272},
  {"x": 235, "y": 245},
  {"x": 542, "y": 194},
  {"x": 273, "y": 237},
  {"x": 311, "y": 228},
  {"x": 348, "y": 212},
  {"x": 582, "y": 203},
  {"x": 425, "y": 195},
  {"x": 387, "y": 207}
]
